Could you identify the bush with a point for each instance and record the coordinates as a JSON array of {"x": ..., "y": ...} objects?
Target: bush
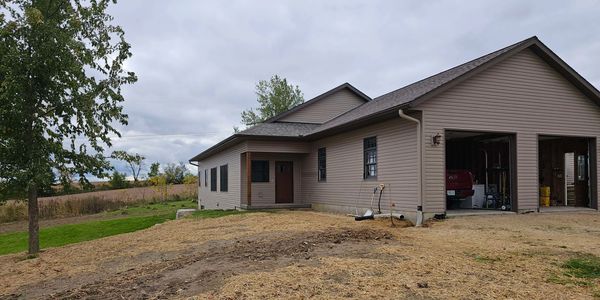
[
  {"x": 190, "y": 179},
  {"x": 118, "y": 181}
]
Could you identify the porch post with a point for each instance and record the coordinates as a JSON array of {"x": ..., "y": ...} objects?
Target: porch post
[{"x": 248, "y": 178}]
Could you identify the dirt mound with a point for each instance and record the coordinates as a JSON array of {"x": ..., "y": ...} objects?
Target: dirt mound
[
  {"x": 208, "y": 266},
  {"x": 258, "y": 249}
]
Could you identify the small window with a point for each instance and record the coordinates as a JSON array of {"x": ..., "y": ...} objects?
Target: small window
[
  {"x": 199, "y": 177},
  {"x": 321, "y": 164},
  {"x": 260, "y": 171},
  {"x": 213, "y": 179},
  {"x": 223, "y": 174},
  {"x": 205, "y": 177},
  {"x": 370, "y": 157}
]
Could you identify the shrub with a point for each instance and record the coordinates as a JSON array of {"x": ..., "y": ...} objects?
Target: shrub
[
  {"x": 190, "y": 179},
  {"x": 118, "y": 181}
]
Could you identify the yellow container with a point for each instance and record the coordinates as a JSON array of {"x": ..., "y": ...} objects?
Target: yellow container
[
  {"x": 545, "y": 201},
  {"x": 545, "y": 191}
]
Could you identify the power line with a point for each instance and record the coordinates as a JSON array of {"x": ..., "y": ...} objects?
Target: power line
[{"x": 143, "y": 136}]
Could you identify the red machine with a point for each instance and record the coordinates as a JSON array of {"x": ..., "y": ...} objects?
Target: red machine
[{"x": 459, "y": 184}]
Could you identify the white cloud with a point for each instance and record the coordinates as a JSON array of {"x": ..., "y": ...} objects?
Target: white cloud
[{"x": 198, "y": 61}]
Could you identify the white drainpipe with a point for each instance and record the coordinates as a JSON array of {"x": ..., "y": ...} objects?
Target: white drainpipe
[{"x": 419, "y": 166}]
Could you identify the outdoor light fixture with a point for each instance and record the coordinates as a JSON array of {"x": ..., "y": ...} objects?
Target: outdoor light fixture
[{"x": 436, "y": 139}]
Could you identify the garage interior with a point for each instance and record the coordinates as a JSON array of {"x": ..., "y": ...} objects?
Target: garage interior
[
  {"x": 488, "y": 159},
  {"x": 564, "y": 171}
]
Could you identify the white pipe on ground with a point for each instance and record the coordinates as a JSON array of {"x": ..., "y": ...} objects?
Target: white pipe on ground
[{"x": 419, "y": 166}]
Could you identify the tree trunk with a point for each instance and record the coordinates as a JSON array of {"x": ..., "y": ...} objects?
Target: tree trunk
[{"x": 34, "y": 227}]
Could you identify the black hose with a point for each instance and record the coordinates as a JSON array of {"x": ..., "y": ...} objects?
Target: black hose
[
  {"x": 379, "y": 202},
  {"x": 360, "y": 218}
]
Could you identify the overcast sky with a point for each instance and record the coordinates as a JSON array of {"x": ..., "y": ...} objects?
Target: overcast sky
[{"x": 198, "y": 61}]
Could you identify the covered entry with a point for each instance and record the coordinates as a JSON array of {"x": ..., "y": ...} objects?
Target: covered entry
[
  {"x": 480, "y": 170},
  {"x": 565, "y": 174}
]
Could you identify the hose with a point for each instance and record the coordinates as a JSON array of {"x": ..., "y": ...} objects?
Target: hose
[{"x": 381, "y": 187}]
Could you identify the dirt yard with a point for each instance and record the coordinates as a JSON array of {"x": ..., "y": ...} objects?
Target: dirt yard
[{"x": 314, "y": 255}]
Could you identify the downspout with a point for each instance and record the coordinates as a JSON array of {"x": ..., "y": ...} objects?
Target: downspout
[{"x": 419, "y": 166}]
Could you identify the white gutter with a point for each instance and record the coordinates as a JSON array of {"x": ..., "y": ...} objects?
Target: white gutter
[{"x": 419, "y": 166}]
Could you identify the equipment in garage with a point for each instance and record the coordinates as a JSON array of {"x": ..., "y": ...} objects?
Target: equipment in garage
[
  {"x": 487, "y": 158},
  {"x": 564, "y": 171}
]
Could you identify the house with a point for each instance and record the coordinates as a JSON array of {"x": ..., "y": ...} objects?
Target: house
[{"x": 519, "y": 120}]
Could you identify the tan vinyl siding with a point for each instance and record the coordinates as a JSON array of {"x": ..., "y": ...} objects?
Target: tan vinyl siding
[
  {"x": 396, "y": 165},
  {"x": 325, "y": 109},
  {"x": 278, "y": 146},
  {"x": 521, "y": 95},
  {"x": 218, "y": 199},
  {"x": 263, "y": 193}
]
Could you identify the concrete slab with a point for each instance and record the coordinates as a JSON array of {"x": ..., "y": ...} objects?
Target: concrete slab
[
  {"x": 184, "y": 212},
  {"x": 476, "y": 212}
]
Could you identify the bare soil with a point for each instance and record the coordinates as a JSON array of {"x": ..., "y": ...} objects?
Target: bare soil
[{"x": 314, "y": 255}]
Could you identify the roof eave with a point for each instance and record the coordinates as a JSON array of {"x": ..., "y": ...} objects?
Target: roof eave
[{"x": 238, "y": 138}]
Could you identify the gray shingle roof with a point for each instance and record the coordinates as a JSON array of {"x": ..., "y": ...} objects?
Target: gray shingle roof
[{"x": 279, "y": 129}]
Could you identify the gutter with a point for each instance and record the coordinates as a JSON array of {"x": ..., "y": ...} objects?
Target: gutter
[{"x": 419, "y": 166}]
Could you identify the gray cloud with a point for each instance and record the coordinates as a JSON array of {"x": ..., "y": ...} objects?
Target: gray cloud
[{"x": 198, "y": 61}]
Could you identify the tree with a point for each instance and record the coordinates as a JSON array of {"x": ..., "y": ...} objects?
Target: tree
[
  {"x": 118, "y": 181},
  {"x": 175, "y": 173},
  {"x": 274, "y": 97},
  {"x": 61, "y": 73},
  {"x": 135, "y": 162},
  {"x": 190, "y": 178},
  {"x": 154, "y": 169}
]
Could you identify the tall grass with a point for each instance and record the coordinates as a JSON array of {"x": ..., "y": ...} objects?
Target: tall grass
[{"x": 95, "y": 202}]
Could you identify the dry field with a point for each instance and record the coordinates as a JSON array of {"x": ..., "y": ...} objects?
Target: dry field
[
  {"x": 306, "y": 254},
  {"x": 95, "y": 202}
]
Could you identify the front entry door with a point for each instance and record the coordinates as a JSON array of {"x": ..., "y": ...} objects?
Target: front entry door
[{"x": 284, "y": 182}]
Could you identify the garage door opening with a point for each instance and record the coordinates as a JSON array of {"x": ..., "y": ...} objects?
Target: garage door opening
[
  {"x": 480, "y": 170},
  {"x": 564, "y": 171}
]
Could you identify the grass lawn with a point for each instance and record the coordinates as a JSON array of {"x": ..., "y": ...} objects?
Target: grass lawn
[{"x": 138, "y": 217}]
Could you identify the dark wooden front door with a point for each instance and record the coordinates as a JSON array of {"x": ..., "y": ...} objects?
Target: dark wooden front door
[{"x": 284, "y": 182}]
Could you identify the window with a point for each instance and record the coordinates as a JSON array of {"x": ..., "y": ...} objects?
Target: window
[
  {"x": 205, "y": 177},
  {"x": 321, "y": 165},
  {"x": 260, "y": 171},
  {"x": 213, "y": 179},
  {"x": 223, "y": 174},
  {"x": 199, "y": 177},
  {"x": 370, "y": 151}
]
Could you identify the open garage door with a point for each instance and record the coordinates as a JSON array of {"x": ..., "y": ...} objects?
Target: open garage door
[
  {"x": 564, "y": 171},
  {"x": 480, "y": 170}
]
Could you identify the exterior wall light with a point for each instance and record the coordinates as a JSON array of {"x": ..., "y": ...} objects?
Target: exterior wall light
[{"x": 436, "y": 139}]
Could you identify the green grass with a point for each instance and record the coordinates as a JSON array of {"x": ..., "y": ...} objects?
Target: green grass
[
  {"x": 154, "y": 208},
  {"x": 135, "y": 218},
  {"x": 74, "y": 233},
  {"x": 583, "y": 266},
  {"x": 581, "y": 270}
]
